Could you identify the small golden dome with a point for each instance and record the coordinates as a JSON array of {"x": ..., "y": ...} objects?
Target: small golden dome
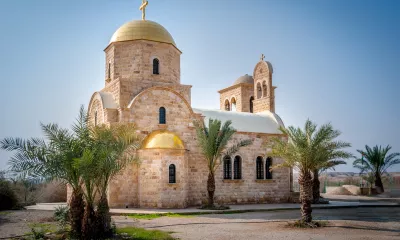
[
  {"x": 163, "y": 139},
  {"x": 142, "y": 30}
]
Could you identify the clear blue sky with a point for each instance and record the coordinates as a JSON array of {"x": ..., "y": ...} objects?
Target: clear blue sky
[{"x": 334, "y": 61}]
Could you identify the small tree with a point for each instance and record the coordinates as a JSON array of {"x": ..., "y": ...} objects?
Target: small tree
[
  {"x": 213, "y": 141},
  {"x": 377, "y": 161},
  {"x": 306, "y": 150}
]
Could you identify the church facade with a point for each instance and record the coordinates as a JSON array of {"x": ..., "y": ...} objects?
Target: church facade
[{"x": 142, "y": 85}]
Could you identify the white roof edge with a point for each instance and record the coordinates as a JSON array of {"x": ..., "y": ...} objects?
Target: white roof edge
[
  {"x": 108, "y": 100},
  {"x": 263, "y": 122}
]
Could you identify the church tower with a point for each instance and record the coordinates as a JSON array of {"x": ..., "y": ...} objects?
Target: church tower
[
  {"x": 264, "y": 91},
  {"x": 251, "y": 94},
  {"x": 140, "y": 55}
]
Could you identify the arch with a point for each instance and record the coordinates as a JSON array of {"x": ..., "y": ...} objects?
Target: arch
[
  {"x": 262, "y": 65},
  {"x": 156, "y": 66},
  {"x": 227, "y": 105},
  {"x": 264, "y": 89},
  {"x": 259, "y": 91},
  {"x": 268, "y": 165},
  {"x": 162, "y": 115},
  {"x": 237, "y": 168},
  {"x": 161, "y": 88},
  {"x": 259, "y": 168},
  {"x": 251, "y": 103},
  {"x": 172, "y": 173},
  {"x": 233, "y": 104},
  {"x": 227, "y": 167}
]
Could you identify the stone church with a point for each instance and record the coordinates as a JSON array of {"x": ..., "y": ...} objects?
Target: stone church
[{"x": 142, "y": 85}]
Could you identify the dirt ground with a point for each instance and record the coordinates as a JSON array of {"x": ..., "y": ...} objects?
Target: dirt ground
[{"x": 349, "y": 223}]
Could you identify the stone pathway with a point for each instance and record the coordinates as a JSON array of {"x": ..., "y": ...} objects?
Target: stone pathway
[{"x": 233, "y": 208}]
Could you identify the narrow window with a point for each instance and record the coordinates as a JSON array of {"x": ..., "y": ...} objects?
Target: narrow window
[
  {"x": 251, "y": 104},
  {"x": 259, "y": 91},
  {"x": 162, "y": 117},
  {"x": 109, "y": 70},
  {"x": 259, "y": 168},
  {"x": 95, "y": 118},
  {"x": 172, "y": 173},
  {"x": 237, "y": 168},
  {"x": 233, "y": 105},
  {"x": 268, "y": 164},
  {"x": 265, "y": 94},
  {"x": 227, "y": 168},
  {"x": 156, "y": 66},
  {"x": 227, "y": 105}
]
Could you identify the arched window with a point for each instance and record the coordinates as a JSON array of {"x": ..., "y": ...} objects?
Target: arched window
[
  {"x": 227, "y": 105},
  {"x": 237, "y": 168},
  {"x": 95, "y": 118},
  {"x": 227, "y": 168},
  {"x": 265, "y": 89},
  {"x": 251, "y": 104},
  {"x": 259, "y": 91},
  {"x": 162, "y": 117},
  {"x": 233, "y": 105},
  {"x": 259, "y": 168},
  {"x": 268, "y": 165},
  {"x": 156, "y": 66},
  {"x": 172, "y": 173}
]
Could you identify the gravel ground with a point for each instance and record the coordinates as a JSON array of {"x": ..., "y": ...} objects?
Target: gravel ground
[
  {"x": 354, "y": 223},
  {"x": 349, "y": 223},
  {"x": 15, "y": 223}
]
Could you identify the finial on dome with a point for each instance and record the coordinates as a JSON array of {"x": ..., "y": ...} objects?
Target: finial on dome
[
  {"x": 143, "y": 9},
  {"x": 262, "y": 57}
]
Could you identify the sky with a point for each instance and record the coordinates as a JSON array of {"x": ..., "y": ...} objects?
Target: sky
[{"x": 334, "y": 61}]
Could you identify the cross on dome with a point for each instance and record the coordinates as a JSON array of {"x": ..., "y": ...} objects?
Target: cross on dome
[
  {"x": 262, "y": 57},
  {"x": 143, "y": 9}
]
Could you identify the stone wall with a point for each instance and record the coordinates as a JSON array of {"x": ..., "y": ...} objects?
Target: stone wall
[
  {"x": 241, "y": 93},
  {"x": 131, "y": 62},
  {"x": 123, "y": 190}
]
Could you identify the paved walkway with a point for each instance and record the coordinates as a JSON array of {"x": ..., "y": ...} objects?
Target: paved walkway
[{"x": 233, "y": 208}]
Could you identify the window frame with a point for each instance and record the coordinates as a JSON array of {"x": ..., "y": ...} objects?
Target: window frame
[
  {"x": 172, "y": 176},
  {"x": 260, "y": 168},
  {"x": 162, "y": 115},
  {"x": 237, "y": 168},
  {"x": 156, "y": 66},
  {"x": 227, "y": 163},
  {"x": 268, "y": 164}
]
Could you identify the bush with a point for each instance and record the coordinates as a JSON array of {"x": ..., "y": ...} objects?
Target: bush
[
  {"x": 8, "y": 199},
  {"x": 61, "y": 215}
]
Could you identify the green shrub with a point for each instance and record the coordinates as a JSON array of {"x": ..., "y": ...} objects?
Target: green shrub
[
  {"x": 8, "y": 199},
  {"x": 61, "y": 215}
]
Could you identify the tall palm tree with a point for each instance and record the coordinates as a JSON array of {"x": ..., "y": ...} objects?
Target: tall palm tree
[
  {"x": 213, "y": 141},
  {"x": 53, "y": 159},
  {"x": 377, "y": 161},
  {"x": 115, "y": 148},
  {"x": 304, "y": 150}
]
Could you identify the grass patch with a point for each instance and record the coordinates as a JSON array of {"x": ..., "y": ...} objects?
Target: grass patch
[
  {"x": 156, "y": 215},
  {"x": 302, "y": 224},
  {"x": 3, "y": 213},
  {"x": 143, "y": 234}
]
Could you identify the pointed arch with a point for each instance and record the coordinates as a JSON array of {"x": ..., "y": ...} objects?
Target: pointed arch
[
  {"x": 268, "y": 165},
  {"x": 233, "y": 104},
  {"x": 251, "y": 103},
  {"x": 259, "y": 168},
  {"x": 227, "y": 167},
  {"x": 227, "y": 105},
  {"x": 264, "y": 89},
  {"x": 259, "y": 91},
  {"x": 237, "y": 168}
]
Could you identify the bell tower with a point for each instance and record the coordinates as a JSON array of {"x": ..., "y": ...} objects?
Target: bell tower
[{"x": 264, "y": 91}]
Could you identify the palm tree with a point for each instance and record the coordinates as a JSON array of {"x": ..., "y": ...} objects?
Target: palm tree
[
  {"x": 305, "y": 150},
  {"x": 330, "y": 164},
  {"x": 115, "y": 148},
  {"x": 377, "y": 161},
  {"x": 213, "y": 141},
  {"x": 54, "y": 159}
]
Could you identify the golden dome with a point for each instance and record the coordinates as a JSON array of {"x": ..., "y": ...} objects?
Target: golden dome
[
  {"x": 163, "y": 139},
  {"x": 142, "y": 30}
]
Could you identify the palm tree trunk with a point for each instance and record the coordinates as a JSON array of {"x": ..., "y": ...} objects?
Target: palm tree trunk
[
  {"x": 76, "y": 211},
  {"x": 211, "y": 189},
  {"x": 378, "y": 183},
  {"x": 316, "y": 186},
  {"x": 89, "y": 222},
  {"x": 305, "y": 181},
  {"x": 103, "y": 218}
]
